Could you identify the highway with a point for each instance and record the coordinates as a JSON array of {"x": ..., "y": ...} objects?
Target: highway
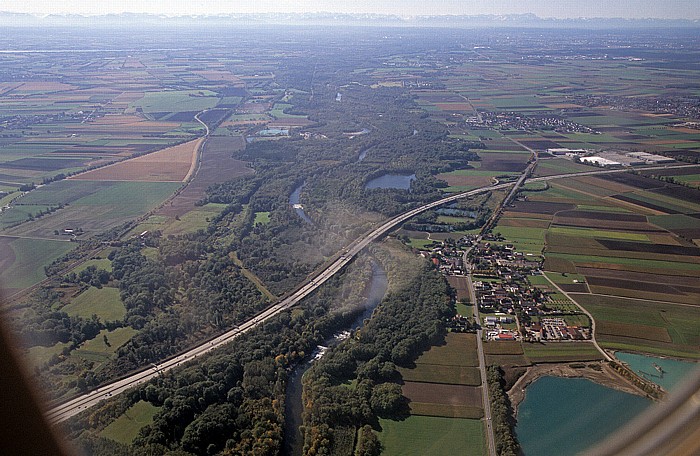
[{"x": 85, "y": 401}]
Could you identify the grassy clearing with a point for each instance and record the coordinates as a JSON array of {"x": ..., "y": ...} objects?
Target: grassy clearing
[
  {"x": 464, "y": 310},
  {"x": 125, "y": 428},
  {"x": 97, "y": 350},
  {"x": 423, "y": 435},
  {"x": 99, "y": 263},
  {"x": 561, "y": 352},
  {"x": 421, "y": 244},
  {"x": 104, "y": 302},
  {"x": 262, "y": 217},
  {"x": 31, "y": 256},
  {"x": 40, "y": 355}
]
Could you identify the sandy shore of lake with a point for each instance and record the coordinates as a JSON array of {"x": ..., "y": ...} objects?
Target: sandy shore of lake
[{"x": 606, "y": 376}]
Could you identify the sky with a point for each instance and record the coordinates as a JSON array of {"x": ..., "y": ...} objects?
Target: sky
[{"x": 665, "y": 9}]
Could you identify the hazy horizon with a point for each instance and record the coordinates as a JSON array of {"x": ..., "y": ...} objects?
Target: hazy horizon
[{"x": 628, "y": 9}]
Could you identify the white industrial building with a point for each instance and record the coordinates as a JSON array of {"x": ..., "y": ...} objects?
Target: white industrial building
[{"x": 600, "y": 161}]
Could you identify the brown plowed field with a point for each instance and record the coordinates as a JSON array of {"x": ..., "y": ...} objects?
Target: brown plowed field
[
  {"x": 524, "y": 223},
  {"x": 217, "y": 165},
  {"x": 172, "y": 164},
  {"x": 602, "y": 216},
  {"x": 672, "y": 280},
  {"x": 463, "y": 181},
  {"x": 436, "y": 393}
]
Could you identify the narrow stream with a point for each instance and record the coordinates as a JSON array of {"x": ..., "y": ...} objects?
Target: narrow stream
[
  {"x": 294, "y": 202},
  {"x": 293, "y": 440}
]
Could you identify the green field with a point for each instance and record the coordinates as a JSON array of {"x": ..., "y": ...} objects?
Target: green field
[
  {"x": 177, "y": 101},
  {"x": 31, "y": 255},
  {"x": 94, "y": 206},
  {"x": 125, "y": 428},
  {"x": 40, "y": 355},
  {"x": 104, "y": 302},
  {"x": 427, "y": 435}
]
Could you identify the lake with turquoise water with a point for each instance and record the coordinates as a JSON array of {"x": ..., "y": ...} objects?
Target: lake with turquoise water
[
  {"x": 672, "y": 372},
  {"x": 564, "y": 416}
]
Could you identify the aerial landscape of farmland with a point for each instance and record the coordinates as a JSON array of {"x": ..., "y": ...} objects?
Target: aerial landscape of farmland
[{"x": 225, "y": 238}]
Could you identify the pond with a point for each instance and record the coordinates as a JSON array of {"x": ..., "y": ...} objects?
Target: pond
[
  {"x": 399, "y": 181},
  {"x": 665, "y": 372}
]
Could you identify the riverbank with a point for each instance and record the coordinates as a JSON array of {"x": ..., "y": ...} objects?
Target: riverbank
[{"x": 604, "y": 376}]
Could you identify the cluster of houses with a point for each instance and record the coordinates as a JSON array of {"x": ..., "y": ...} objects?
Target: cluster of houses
[{"x": 511, "y": 307}]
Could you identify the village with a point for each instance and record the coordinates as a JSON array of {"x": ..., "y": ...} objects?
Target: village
[{"x": 511, "y": 307}]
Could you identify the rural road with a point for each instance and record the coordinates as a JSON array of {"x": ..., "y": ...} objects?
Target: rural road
[
  {"x": 85, "y": 401},
  {"x": 490, "y": 438}
]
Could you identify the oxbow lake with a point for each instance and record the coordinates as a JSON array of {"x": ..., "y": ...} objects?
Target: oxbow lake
[{"x": 400, "y": 181}]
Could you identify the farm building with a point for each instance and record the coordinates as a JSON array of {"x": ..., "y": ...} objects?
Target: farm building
[{"x": 600, "y": 161}]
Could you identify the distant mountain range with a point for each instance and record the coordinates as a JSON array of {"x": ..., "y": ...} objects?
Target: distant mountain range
[{"x": 8, "y": 19}]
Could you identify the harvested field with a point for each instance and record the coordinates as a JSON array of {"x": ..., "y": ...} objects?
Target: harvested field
[
  {"x": 541, "y": 207},
  {"x": 672, "y": 280},
  {"x": 455, "y": 180},
  {"x": 172, "y": 164},
  {"x": 460, "y": 285},
  {"x": 435, "y": 393},
  {"x": 447, "y": 411},
  {"x": 507, "y": 360},
  {"x": 635, "y": 331},
  {"x": 431, "y": 373},
  {"x": 507, "y": 162},
  {"x": 558, "y": 352},
  {"x": 459, "y": 350},
  {"x": 503, "y": 348},
  {"x": 527, "y": 215},
  {"x": 633, "y": 180},
  {"x": 524, "y": 222},
  {"x": 598, "y": 215},
  {"x": 650, "y": 248},
  {"x": 574, "y": 287}
]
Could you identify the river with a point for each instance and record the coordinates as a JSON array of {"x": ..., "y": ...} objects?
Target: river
[
  {"x": 294, "y": 199},
  {"x": 293, "y": 440},
  {"x": 567, "y": 415}
]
